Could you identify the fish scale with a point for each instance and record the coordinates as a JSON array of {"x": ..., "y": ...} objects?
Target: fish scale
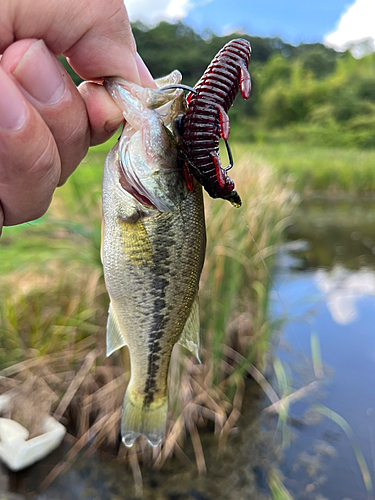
[{"x": 152, "y": 258}]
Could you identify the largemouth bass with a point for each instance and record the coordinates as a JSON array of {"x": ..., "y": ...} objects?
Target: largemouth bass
[{"x": 153, "y": 250}]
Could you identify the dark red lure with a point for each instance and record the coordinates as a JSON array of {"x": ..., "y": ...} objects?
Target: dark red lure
[{"x": 206, "y": 119}]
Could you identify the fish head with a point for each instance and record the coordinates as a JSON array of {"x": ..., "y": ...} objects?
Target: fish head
[{"x": 149, "y": 149}]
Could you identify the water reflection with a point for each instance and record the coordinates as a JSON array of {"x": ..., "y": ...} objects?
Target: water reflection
[
  {"x": 342, "y": 290},
  {"x": 326, "y": 281},
  {"x": 338, "y": 232}
]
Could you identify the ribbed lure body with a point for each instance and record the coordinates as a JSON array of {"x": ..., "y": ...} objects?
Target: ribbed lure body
[{"x": 207, "y": 120}]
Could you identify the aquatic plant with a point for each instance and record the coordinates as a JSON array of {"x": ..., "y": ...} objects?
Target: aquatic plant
[{"x": 52, "y": 320}]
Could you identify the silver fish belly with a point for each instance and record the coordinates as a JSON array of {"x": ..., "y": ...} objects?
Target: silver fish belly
[{"x": 152, "y": 251}]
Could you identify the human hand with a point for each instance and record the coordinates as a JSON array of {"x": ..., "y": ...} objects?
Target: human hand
[{"x": 46, "y": 124}]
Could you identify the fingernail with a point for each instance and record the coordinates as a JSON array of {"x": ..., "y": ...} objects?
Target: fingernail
[
  {"x": 40, "y": 75},
  {"x": 112, "y": 125},
  {"x": 12, "y": 107}
]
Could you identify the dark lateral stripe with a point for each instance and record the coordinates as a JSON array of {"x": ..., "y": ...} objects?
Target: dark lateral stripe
[{"x": 163, "y": 243}]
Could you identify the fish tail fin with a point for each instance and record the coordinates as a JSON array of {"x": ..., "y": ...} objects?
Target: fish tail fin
[{"x": 143, "y": 418}]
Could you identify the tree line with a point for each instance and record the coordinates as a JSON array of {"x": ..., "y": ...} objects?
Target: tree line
[{"x": 309, "y": 87}]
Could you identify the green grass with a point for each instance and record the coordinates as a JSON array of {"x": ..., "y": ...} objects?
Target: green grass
[
  {"x": 69, "y": 235},
  {"x": 235, "y": 281},
  {"x": 314, "y": 168},
  {"x": 52, "y": 294},
  {"x": 72, "y": 223},
  {"x": 53, "y": 300},
  {"x": 51, "y": 280},
  {"x": 234, "y": 276}
]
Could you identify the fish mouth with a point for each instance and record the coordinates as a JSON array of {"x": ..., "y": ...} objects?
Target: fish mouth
[{"x": 141, "y": 198}]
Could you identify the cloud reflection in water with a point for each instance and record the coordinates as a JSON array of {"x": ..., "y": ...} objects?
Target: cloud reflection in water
[{"x": 343, "y": 289}]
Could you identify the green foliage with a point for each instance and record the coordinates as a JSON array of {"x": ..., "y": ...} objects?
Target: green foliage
[
  {"x": 277, "y": 70},
  {"x": 73, "y": 75},
  {"x": 290, "y": 85},
  {"x": 342, "y": 103},
  {"x": 317, "y": 59},
  {"x": 170, "y": 46},
  {"x": 283, "y": 106},
  {"x": 295, "y": 153},
  {"x": 307, "y": 84},
  {"x": 366, "y": 88}
]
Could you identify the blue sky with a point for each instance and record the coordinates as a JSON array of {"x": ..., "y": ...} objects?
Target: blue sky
[
  {"x": 306, "y": 20},
  {"x": 337, "y": 22}
]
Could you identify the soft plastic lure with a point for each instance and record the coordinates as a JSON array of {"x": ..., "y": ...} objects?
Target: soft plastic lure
[{"x": 206, "y": 119}]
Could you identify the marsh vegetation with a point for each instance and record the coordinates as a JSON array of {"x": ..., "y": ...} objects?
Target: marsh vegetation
[
  {"x": 54, "y": 308},
  {"x": 295, "y": 135}
]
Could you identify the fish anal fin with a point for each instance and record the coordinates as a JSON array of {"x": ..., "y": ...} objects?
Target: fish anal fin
[
  {"x": 115, "y": 338},
  {"x": 190, "y": 334}
]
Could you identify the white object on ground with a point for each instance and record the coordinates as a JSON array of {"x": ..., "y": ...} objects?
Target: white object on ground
[{"x": 19, "y": 452}]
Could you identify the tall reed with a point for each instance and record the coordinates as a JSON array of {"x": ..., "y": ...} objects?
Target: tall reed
[{"x": 52, "y": 318}]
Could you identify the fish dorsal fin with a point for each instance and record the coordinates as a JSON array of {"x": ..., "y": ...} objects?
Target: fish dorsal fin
[
  {"x": 190, "y": 334},
  {"x": 115, "y": 339}
]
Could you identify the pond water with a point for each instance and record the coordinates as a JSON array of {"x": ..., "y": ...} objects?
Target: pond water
[
  {"x": 323, "y": 447},
  {"x": 326, "y": 282}
]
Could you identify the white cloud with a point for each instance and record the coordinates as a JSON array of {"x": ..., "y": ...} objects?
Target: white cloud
[
  {"x": 151, "y": 12},
  {"x": 355, "y": 27},
  {"x": 178, "y": 9}
]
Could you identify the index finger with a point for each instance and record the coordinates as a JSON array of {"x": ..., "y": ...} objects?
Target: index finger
[{"x": 96, "y": 36}]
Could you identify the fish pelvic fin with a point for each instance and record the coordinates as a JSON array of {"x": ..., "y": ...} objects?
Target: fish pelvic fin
[
  {"x": 143, "y": 418},
  {"x": 190, "y": 334},
  {"x": 115, "y": 338}
]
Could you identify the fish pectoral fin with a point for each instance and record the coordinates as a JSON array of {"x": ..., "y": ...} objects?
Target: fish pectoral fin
[
  {"x": 136, "y": 243},
  {"x": 115, "y": 338},
  {"x": 190, "y": 334}
]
